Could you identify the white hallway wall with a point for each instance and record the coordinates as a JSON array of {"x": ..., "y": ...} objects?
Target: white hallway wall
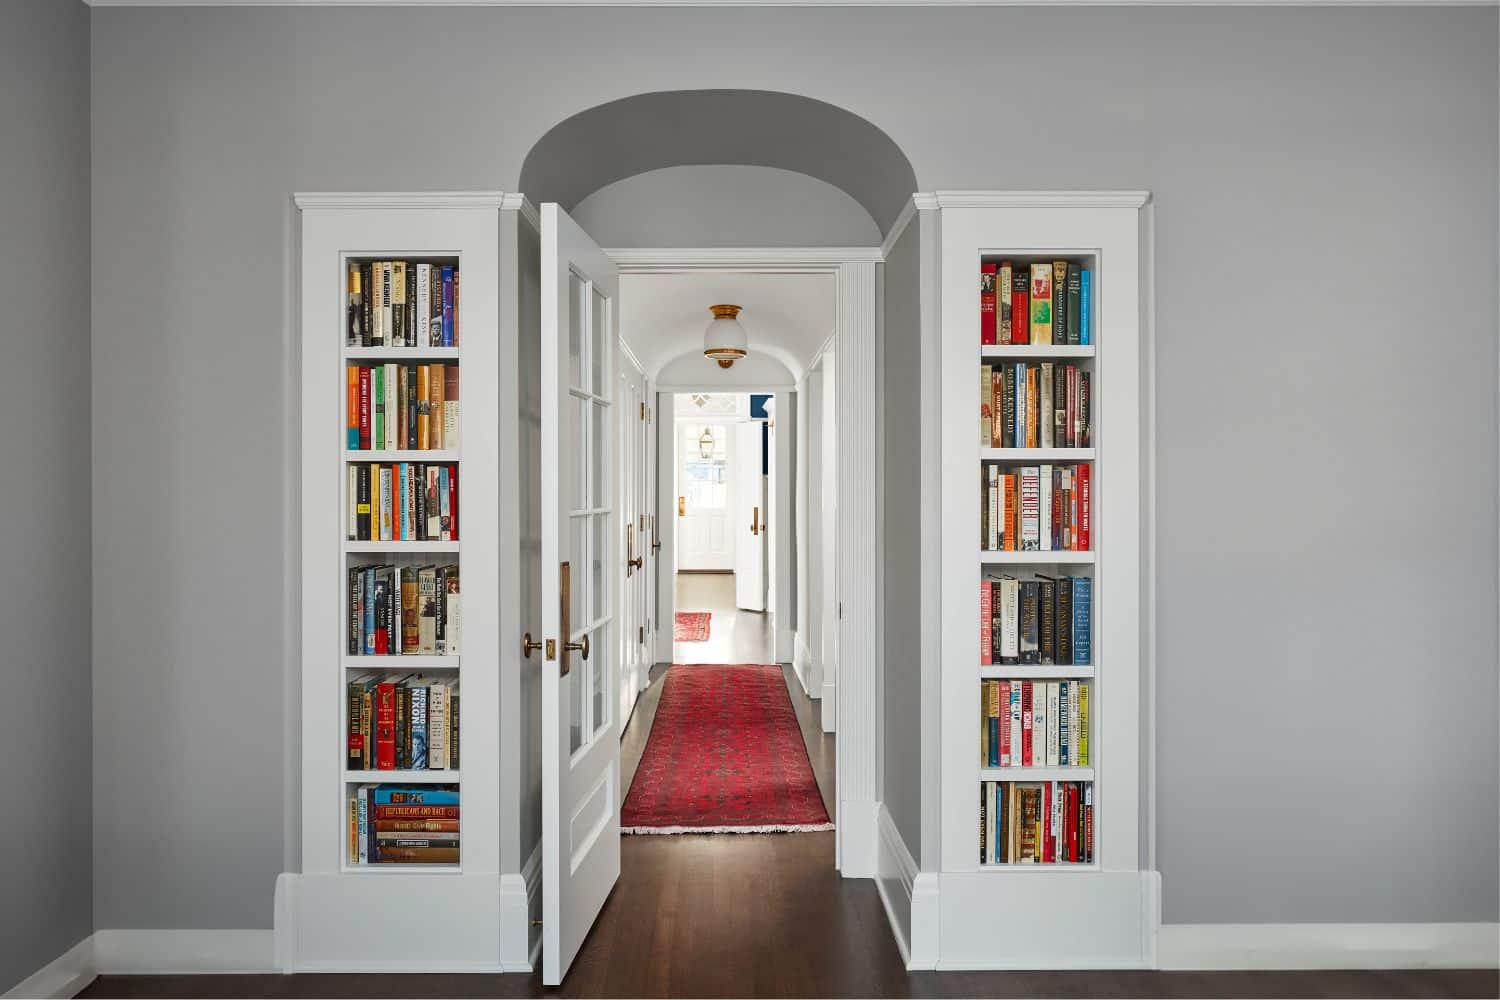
[{"x": 1292, "y": 460}]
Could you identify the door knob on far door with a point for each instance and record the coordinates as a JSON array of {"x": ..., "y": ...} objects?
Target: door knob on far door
[
  {"x": 755, "y": 522},
  {"x": 632, "y": 561},
  {"x": 582, "y": 648},
  {"x": 681, "y": 507}
]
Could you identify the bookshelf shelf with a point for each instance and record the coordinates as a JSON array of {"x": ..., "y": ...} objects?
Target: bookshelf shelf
[
  {"x": 1031, "y": 672},
  {"x": 1036, "y": 774},
  {"x": 432, "y": 455},
  {"x": 394, "y": 869},
  {"x": 406, "y": 662},
  {"x": 351, "y": 546},
  {"x": 403, "y": 778},
  {"x": 401, "y": 353},
  {"x": 1031, "y": 455},
  {"x": 1021, "y": 352},
  {"x": 1062, "y": 557}
]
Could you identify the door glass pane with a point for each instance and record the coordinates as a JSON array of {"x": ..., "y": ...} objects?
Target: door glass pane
[
  {"x": 578, "y": 611},
  {"x": 596, "y": 571},
  {"x": 596, "y": 674},
  {"x": 572, "y": 698},
  {"x": 575, "y": 455},
  {"x": 599, "y": 345},
  {"x": 577, "y": 301},
  {"x": 600, "y": 491}
]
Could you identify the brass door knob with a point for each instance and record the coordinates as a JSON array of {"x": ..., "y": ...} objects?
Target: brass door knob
[
  {"x": 580, "y": 647},
  {"x": 527, "y": 645},
  {"x": 637, "y": 563}
]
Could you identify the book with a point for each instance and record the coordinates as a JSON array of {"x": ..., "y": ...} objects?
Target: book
[
  {"x": 449, "y": 277},
  {"x": 1074, "y": 281},
  {"x": 1085, "y": 305},
  {"x": 1041, "y": 303},
  {"x": 1020, "y": 308},
  {"x": 1003, "y": 281},
  {"x": 986, "y": 621},
  {"x": 1002, "y": 720},
  {"x": 988, "y": 273},
  {"x": 1082, "y": 625},
  {"x": 1083, "y": 725},
  {"x": 437, "y": 727},
  {"x": 986, "y": 405},
  {"x": 450, "y": 407},
  {"x": 1059, "y": 302},
  {"x": 423, "y": 310}
]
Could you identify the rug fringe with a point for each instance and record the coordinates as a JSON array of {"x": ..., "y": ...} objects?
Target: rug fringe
[{"x": 765, "y": 828}]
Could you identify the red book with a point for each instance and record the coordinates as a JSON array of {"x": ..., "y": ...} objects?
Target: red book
[
  {"x": 1071, "y": 432},
  {"x": 1057, "y": 513},
  {"x": 1084, "y": 498},
  {"x": 1088, "y": 827},
  {"x": 392, "y": 811},
  {"x": 1025, "y": 723},
  {"x": 364, "y": 409},
  {"x": 453, "y": 503},
  {"x": 1005, "y": 760},
  {"x": 1020, "y": 305},
  {"x": 385, "y": 727},
  {"x": 987, "y": 273},
  {"x": 1049, "y": 839},
  {"x": 1071, "y": 823},
  {"x": 985, "y": 616}
]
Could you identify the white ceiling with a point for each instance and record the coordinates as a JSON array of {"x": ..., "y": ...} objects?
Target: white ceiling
[{"x": 786, "y": 316}]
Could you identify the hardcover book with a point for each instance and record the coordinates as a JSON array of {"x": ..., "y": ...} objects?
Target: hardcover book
[
  {"x": 1041, "y": 303},
  {"x": 987, "y": 275}
]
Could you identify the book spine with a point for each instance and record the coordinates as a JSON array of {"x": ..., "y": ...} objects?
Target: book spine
[
  {"x": 351, "y": 422},
  {"x": 354, "y": 739},
  {"x": 1041, "y": 303},
  {"x": 1085, "y": 307},
  {"x": 1083, "y": 725},
  {"x": 1063, "y": 627},
  {"x": 992, "y": 721},
  {"x": 1057, "y": 412},
  {"x": 364, "y": 305},
  {"x": 435, "y": 405},
  {"x": 1030, "y": 509},
  {"x": 365, "y": 422},
  {"x": 398, "y": 302},
  {"x": 385, "y": 812},
  {"x": 986, "y": 622},
  {"x": 1007, "y": 414},
  {"x": 1020, "y": 305},
  {"x": 1010, "y": 620},
  {"x": 1047, "y": 625},
  {"x": 1003, "y": 282},
  {"x": 1075, "y": 289},
  {"x": 1054, "y": 727},
  {"x": 986, "y": 405},
  {"x": 419, "y": 728},
  {"x": 385, "y": 727},
  {"x": 1002, "y": 715},
  {"x": 1027, "y": 708},
  {"x": 1059, "y": 302},
  {"x": 1064, "y": 722},
  {"x": 987, "y": 275},
  {"x": 377, "y": 304},
  {"x": 453, "y": 733},
  {"x": 1011, "y": 532},
  {"x": 424, "y": 305},
  {"x": 1085, "y": 508},
  {"x": 355, "y": 591},
  {"x": 362, "y": 806},
  {"x": 437, "y": 727},
  {"x": 1082, "y": 626},
  {"x": 994, "y": 530},
  {"x": 452, "y": 532},
  {"x": 1044, "y": 508},
  {"x": 367, "y": 630},
  {"x": 448, "y": 277},
  {"x": 1013, "y": 718}
]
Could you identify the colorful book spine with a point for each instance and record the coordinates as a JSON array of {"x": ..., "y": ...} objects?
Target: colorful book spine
[
  {"x": 1002, "y": 721},
  {"x": 1082, "y": 624},
  {"x": 986, "y": 618},
  {"x": 1020, "y": 307},
  {"x": 1085, "y": 306},
  {"x": 447, "y": 335},
  {"x": 988, "y": 274},
  {"x": 1003, "y": 282},
  {"x": 1041, "y": 303}
]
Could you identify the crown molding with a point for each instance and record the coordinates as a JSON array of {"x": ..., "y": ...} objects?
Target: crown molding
[
  {"x": 792, "y": 3},
  {"x": 517, "y": 202},
  {"x": 1035, "y": 199},
  {"x": 395, "y": 199},
  {"x": 741, "y": 258}
]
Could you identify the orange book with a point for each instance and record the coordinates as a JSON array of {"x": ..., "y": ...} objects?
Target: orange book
[
  {"x": 1010, "y": 512},
  {"x": 997, "y": 394},
  {"x": 435, "y": 406},
  {"x": 424, "y": 401},
  {"x": 351, "y": 372},
  {"x": 1032, "y": 407}
]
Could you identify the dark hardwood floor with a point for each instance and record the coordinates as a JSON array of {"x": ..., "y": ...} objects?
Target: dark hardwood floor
[{"x": 767, "y": 915}]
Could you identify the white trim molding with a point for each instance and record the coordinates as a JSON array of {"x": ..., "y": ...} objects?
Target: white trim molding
[
  {"x": 1035, "y": 199},
  {"x": 1329, "y": 946},
  {"x": 788, "y": 3},
  {"x": 64, "y": 976},
  {"x": 177, "y": 951},
  {"x": 423, "y": 200},
  {"x": 520, "y": 904},
  {"x": 671, "y": 260},
  {"x": 910, "y": 897}
]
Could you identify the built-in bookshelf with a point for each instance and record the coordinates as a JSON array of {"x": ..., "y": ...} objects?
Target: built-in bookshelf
[
  {"x": 1041, "y": 749},
  {"x": 400, "y": 588}
]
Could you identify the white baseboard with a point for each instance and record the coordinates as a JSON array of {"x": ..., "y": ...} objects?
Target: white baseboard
[
  {"x": 859, "y": 838},
  {"x": 148, "y": 952},
  {"x": 1328, "y": 946},
  {"x": 520, "y": 902},
  {"x": 908, "y": 895},
  {"x": 63, "y": 977},
  {"x": 830, "y": 701}
]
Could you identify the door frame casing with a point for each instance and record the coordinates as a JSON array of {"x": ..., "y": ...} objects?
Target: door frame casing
[{"x": 860, "y": 661}]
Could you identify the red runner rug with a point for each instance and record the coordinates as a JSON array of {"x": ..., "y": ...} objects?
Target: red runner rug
[
  {"x": 691, "y": 626},
  {"x": 725, "y": 755}
]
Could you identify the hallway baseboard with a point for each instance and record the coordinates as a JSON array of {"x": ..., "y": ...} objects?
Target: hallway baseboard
[{"x": 64, "y": 976}]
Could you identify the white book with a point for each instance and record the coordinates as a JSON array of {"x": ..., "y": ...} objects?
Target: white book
[
  {"x": 1045, "y": 489},
  {"x": 376, "y": 293},
  {"x": 392, "y": 418},
  {"x": 1045, "y": 417},
  {"x": 424, "y": 305},
  {"x": 1010, "y": 626},
  {"x": 450, "y": 424},
  {"x": 353, "y": 501},
  {"x": 992, "y": 539},
  {"x": 452, "y": 625},
  {"x": 1059, "y": 842},
  {"x": 385, "y": 503},
  {"x": 1039, "y": 723},
  {"x": 1054, "y": 706},
  {"x": 437, "y": 727},
  {"x": 1014, "y": 710}
]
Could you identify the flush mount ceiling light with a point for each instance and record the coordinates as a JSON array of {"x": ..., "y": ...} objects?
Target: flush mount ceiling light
[{"x": 724, "y": 340}]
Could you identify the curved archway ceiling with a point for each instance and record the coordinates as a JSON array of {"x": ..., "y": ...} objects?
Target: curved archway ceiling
[{"x": 645, "y": 132}]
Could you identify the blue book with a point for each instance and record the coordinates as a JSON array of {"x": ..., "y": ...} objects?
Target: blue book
[
  {"x": 447, "y": 305},
  {"x": 415, "y": 795},
  {"x": 1020, "y": 441},
  {"x": 367, "y": 627},
  {"x": 363, "y": 854},
  {"x": 1085, "y": 301},
  {"x": 1082, "y": 621},
  {"x": 418, "y": 727},
  {"x": 994, "y": 727},
  {"x": 1062, "y": 723}
]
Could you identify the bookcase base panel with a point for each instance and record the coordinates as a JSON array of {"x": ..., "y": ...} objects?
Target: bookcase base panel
[
  {"x": 1047, "y": 919},
  {"x": 389, "y": 922}
]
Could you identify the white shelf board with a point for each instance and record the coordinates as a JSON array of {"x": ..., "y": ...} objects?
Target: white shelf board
[
  {"x": 1032, "y": 672},
  {"x": 386, "y": 456},
  {"x": 418, "y": 661},
  {"x": 1036, "y": 774},
  {"x": 1058, "y": 557},
  {"x": 1021, "y": 352},
  {"x": 1045, "y": 866},
  {"x": 401, "y": 353},
  {"x": 403, "y": 777},
  {"x": 401, "y": 546},
  {"x": 1036, "y": 454},
  {"x": 401, "y": 868}
]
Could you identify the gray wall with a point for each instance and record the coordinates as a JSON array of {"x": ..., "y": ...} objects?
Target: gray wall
[
  {"x": 1326, "y": 541},
  {"x": 46, "y": 907},
  {"x": 901, "y": 624}
]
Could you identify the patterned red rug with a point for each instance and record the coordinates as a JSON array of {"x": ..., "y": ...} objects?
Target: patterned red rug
[
  {"x": 691, "y": 626},
  {"x": 725, "y": 755}
]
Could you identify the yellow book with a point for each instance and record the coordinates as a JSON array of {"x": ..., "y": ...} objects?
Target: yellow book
[
  {"x": 435, "y": 406},
  {"x": 1083, "y": 724},
  {"x": 423, "y": 402},
  {"x": 1041, "y": 303}
]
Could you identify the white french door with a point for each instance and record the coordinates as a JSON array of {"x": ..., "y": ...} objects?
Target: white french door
[
  {"x": 705, "y": 491},
  {"x": 580, "y": 579}
]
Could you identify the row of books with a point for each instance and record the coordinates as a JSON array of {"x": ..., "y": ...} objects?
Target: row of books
[
  {"x": 1034, "y": 405},
  {"x": 402, "y": 723},
  {"x": 399, "y": 824},
  {"x": 1034, "y": 723},
  {"x": 402, "y": 406},
  {"x": 405, "y": 610},
  {"x": 402, "y": 502},
  {"x": 1047, "y": 620},
  {"x": 1035, "y": 508},
  {"x": 1048, "y": 302},
  {"x": 1036, "y": 822},
  {"x": 398, "y": 303}
]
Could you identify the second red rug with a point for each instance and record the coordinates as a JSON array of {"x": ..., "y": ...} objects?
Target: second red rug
[{"x": 725, "y": 755}]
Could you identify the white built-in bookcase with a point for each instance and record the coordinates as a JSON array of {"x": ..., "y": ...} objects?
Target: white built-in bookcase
[
  {"x": 1033, "y": 915},
  {"x": 334, "y": 915}
]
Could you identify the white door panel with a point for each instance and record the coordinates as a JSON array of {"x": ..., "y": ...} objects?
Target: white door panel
[{"x": 750, "y": 513}]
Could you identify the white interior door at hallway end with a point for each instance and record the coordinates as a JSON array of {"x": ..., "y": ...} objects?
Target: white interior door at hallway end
[
  {"x": 750, "y": 514},
  {"x": 581, "y": 573},
  {"x": 705, "y": 488}
]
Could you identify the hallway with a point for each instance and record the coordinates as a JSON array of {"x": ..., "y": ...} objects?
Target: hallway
[{"x": 734, "y": 636}]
